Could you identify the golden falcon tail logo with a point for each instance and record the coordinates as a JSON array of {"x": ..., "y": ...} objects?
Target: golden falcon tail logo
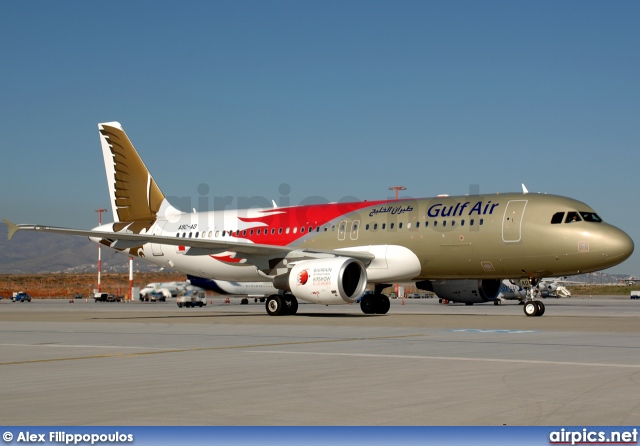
[{"x": 135, "y": 196}]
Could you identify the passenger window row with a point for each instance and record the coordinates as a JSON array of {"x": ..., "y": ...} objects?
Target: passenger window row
[
  {"x": 245, "y": 232},
  {"x": 443, "y": 223},
  {"x": 303, "y": 229},
  {"x": 557, "y": 218}
]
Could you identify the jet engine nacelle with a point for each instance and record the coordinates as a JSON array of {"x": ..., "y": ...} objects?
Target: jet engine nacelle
[
  {"x": 329, "y": 281},
  {"x": 547, "y": 289},
  {"x": 465, "y": 291}
]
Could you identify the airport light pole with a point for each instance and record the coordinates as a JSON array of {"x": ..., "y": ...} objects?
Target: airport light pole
[
  {"x": 397, "y": 189},
  {"x": 131, "y": 278},
  {"x": 100, "y": 211}
]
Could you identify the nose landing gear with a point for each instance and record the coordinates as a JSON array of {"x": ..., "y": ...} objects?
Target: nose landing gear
[{"x": 532, "y": 307}]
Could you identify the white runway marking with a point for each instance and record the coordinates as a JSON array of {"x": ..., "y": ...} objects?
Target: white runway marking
[
  {"x": 79, "y": 346},
  {"x": 449, "y": 358}
]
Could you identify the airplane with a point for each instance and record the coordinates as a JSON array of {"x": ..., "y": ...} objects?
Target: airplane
[
  {"x": 168, "y": 289},
  {"x": 257, "y": 290},
  {"x": 472, "y": 292},
  {"x": 630, "y": 281},
  {"x": 328, "y": 253},
  {"x": 555, "y": 288}
]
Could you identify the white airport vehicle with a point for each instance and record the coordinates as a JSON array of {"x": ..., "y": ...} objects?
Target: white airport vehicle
[{"x": 192, "y": 299}]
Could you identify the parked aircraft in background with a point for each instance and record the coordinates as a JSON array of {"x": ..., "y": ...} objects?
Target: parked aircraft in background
[
  {"x": 256, "y": 290},
  {"x": 328, "y": 253},
  {"x": 631, "y": 281},
  {"x": 168, "y": 289},
  {"x": 555, "y": 288}
]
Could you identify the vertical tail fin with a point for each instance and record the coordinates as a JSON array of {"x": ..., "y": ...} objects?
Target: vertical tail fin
[{"x": 135, "y": 196}]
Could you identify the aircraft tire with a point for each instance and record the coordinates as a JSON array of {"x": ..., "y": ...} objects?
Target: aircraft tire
[
  {"x": 368, "y": 304},
  {"x": 540, "y": 308},
  {"x": 290, "y": 305},
  {"x": 382, "y": 304},
  {"x": 275, "y": 306},
  {"x": 531, "y": 308},
  {"x": 294, "y": 306}
]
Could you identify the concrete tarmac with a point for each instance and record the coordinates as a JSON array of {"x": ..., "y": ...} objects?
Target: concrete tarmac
[{"x": 423, "y": 363}]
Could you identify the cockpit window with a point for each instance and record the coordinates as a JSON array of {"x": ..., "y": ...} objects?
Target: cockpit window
[
  {"x": 591, "y": 217},
  {"x": 572, "y": 217},
  {"x": 557, "y": 218}
]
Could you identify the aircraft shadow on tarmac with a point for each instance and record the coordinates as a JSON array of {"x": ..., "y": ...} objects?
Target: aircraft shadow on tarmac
[{"x": 247, "y": 315}]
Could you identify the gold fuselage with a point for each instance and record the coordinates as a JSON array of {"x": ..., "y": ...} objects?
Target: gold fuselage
[
  {"x": 491, "y": 236},
  {"x": 498, "y": 236}
]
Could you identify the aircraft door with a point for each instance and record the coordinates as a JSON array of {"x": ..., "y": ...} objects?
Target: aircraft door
[
  {"x": 354, "y": 229},
  {"x": 342, "y": 229},
  {"x": 512, "y": 221},
  {"x": 156, "y": 248}
]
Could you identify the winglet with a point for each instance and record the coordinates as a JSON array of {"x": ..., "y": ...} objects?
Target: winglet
[{"x": 13, "y": 228}]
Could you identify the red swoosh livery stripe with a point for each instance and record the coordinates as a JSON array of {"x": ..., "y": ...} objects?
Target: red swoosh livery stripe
[{"x": 296, "y": 217}]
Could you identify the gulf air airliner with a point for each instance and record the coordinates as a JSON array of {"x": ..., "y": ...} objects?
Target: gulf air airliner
[{"x": 328, "y": 253}]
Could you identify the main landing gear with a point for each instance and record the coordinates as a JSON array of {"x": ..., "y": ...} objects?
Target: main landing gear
[
  {"x": 281, "y": 305},
  {"x": 532, "y": 307},
  {"x": 376, "y": 303},
  {"x": 277, "y": 305}
]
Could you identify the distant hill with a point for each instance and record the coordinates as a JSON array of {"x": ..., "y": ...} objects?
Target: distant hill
[
  {"x": 32, "y": 253},
  {"x": 599, "y": 278}
]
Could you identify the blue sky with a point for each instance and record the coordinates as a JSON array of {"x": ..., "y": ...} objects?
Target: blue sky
[{"x": 332, "y": 99}]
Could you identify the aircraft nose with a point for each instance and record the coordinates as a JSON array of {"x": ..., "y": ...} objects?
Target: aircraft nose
[{"x": 618, "y": 245}]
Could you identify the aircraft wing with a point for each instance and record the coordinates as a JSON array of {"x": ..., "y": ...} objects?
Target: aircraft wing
[{"x": 265, "y": 257}]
